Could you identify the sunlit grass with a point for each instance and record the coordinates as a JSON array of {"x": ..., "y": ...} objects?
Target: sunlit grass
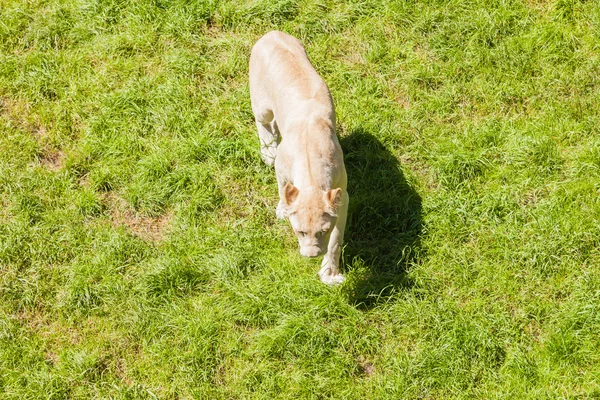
[{"x": 140, "y": 255}]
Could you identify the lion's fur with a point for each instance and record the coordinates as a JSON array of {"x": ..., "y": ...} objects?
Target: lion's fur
[{"x": 295, "y": 118}]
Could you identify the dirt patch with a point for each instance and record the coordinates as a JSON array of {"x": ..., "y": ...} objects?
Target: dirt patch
[
  {"x": 403, "y": 101},
  {"x": 144, "y": 226},
  {"x": 539, "y": 5},
  {"x": 424, "y": 53},
  {"x": 52, "y": 159},
  {"x": 121, "y": 371},
  {"x": 47, "y": 328},
  {"x": 11, "y": 107},
  {"x": 365, "y": 367},
  {"x": 18, "y": 112}
]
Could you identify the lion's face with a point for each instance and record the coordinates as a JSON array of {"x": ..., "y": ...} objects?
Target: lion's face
[
  {"x": 312, "y": 214},
  {"x": 312, "y": 230}
]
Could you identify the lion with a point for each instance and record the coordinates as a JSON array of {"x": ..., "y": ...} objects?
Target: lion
[{"x": 295, "y": 117}]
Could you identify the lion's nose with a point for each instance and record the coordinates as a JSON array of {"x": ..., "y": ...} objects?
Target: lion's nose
[{"x": 312, "y": 251}]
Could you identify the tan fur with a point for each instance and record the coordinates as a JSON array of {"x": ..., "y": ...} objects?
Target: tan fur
[{"x": 295, "y": 118}]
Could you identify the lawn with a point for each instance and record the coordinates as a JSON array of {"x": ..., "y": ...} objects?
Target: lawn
[{"x": 140, "y": 255}]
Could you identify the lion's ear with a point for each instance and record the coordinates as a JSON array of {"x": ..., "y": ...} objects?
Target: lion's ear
[
  {"x": 290, "y": 193},
  {"x": 334, "y": 199}
]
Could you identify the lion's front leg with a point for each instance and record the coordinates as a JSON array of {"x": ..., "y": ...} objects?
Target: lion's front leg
[
  {"x": 280, "y": 175},
  {"x": 330, "y": 268}
]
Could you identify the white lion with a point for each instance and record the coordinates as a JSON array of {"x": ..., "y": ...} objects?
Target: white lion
[{"x": 295, "y": 117}]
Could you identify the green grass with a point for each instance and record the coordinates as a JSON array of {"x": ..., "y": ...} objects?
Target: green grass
[{"x": 140, "y": 256}]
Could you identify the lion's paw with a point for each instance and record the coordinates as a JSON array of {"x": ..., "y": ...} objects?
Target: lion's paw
[
  {"x": 330, "y": 279},
  {"x": 279, "y": 211}
]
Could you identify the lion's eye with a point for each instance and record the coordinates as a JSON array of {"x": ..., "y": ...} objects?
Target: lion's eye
[{"x": 302, "y": 233}]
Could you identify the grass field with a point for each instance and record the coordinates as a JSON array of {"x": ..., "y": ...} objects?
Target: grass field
[{"x": 140, "y": 256}]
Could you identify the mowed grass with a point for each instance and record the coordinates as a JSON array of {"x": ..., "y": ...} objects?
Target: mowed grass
[{"x": 140, "y": 256}]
